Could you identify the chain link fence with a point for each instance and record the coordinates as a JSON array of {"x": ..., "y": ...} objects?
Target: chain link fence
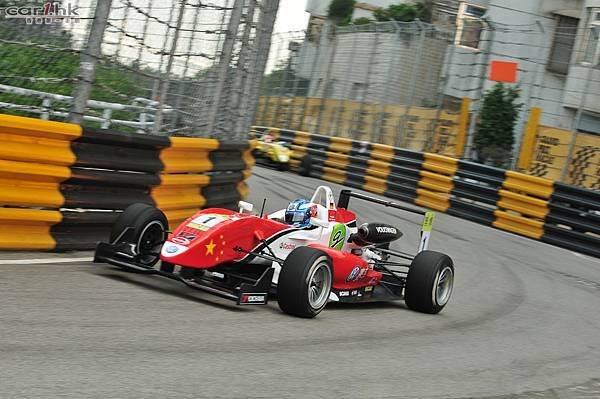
[
  {"x": 378, "y": 82},
  {"x": 420, "y": 86},
  {"x": 184, "y": 67}
]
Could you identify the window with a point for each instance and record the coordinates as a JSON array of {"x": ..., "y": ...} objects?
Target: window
[
  {"x": 591, "y": 49},
  {"x": 470, "y": 25},
  {"x": 562, "y": 45}
]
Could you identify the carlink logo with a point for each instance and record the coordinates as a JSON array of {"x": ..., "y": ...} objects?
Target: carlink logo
[{"x": 46, "y": 13}]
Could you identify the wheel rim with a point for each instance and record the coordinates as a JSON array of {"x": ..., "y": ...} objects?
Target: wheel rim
[
  {"x": 319, "y": 285},
  {"x": 443, "y": 286},
  {"x": 150, "y": 242}
]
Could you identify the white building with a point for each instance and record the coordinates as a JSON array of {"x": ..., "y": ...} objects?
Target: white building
[{"x": 554, "y": 42}]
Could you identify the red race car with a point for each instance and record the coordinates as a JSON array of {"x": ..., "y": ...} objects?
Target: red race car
[{"x": 308, "y": 254}]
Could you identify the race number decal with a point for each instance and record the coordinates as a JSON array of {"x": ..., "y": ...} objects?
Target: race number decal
[
  {"x": 338, "y": 236},
  {"x": 205, "y": 222}
]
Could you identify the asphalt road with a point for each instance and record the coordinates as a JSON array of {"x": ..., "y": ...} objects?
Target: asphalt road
[{"x": 522, "y": 323}]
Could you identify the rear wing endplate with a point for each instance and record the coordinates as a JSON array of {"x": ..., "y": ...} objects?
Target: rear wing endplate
[{"x": 428, "y": 216}]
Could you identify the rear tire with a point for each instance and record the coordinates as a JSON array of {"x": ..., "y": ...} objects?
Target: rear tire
[
  {"x": 429, "y": 282},
  {"x": 305, "y": 282},
  {"x": 148, "y": 232}
]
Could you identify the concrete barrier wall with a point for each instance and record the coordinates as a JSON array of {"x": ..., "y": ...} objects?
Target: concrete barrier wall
[
  {"x": 531, "y": 206},
  {"x": 61, "y": 185}
]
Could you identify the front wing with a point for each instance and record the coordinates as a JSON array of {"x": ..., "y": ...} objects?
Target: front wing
[{"x": 244, "y": 293}]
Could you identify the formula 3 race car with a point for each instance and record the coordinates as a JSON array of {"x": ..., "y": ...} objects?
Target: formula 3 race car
[
  {"x": 246, "y": 258},
  {"x": 269, "y": 152}
]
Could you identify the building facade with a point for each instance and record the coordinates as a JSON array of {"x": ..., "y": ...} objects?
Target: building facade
[{"x": 555, "y": 46}]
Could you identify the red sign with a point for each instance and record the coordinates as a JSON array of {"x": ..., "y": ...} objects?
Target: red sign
[{"x": 503, "y": 71}]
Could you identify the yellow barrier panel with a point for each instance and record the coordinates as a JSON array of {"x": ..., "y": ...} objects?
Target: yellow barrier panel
[
  {"x": 33, "y": 172},
  {"x": 526, "y": 152},
  {"x": 37, "y": 150},
  {"x": 39, "y": 128},
  {"x": 375, "y": 184},
  {"x": 463, "y": 127},
  {"x": 518, "y": 224},
  {"x": 523, "y": 204},
  {"x": 537, "y": 186},
  {"x": 333, "y": 174},
  {"x": 188, "y": 154},
  {"x": 429, "y": 199},
  {"x": 436, "y": 182},
  {"x": 27, "y": 228}
]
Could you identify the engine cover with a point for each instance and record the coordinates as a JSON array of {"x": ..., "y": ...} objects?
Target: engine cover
[{"x": 375, "y": 233}]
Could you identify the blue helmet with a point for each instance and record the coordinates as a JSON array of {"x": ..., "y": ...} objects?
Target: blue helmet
[{"x": 298, "y": 213}]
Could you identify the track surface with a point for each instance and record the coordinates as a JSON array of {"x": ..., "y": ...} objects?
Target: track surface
[{"x": 523, "y": 320}]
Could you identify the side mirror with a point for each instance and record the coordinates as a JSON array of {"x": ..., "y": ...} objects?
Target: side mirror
[
  {"x": 245, "y": 207},
  {"x": 319, "y": 223}
]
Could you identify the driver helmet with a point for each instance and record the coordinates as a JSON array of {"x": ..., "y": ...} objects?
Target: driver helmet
[
  {"x": 299, "y": 212},
  {"x": 267, "y": 138}
]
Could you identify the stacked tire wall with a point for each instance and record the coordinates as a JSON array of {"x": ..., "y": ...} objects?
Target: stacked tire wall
[
  {"x": 62, "y": 186},
  {"x": 530, "y": 206}
]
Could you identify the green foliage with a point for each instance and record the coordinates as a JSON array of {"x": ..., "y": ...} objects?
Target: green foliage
[
  {"x": 340, "y": 11},
  {"x": 404, "y": 12},
  {"x": 35, "y": 66},
  {"x": 494, "y": 136},
  {"x": 362, "y": 21}
]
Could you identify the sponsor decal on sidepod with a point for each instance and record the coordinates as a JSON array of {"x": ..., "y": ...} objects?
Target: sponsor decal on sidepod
[
  {"x": 287, "y": 246},
  {"x": 353, "y": 274}
]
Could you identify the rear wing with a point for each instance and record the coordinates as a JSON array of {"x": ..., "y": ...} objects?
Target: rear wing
[{"x": 428, "y": 216}]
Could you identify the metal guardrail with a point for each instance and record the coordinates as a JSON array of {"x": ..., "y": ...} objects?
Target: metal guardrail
[
  {"x": 145, "y": 112},
  {"x": 530, "y": 206}
]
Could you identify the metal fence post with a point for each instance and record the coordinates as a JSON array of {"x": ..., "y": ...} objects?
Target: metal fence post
[
  {"x": 363, "y": 100},
  {"x": 480, "y": 89},
  {"x": 378, "y": 125},
  {"x": 164, "y": 86},
  {"x": 294, "y": 57},
  {"x": 263, "y": 44},
  {"x": 327, "y": 79},
  {"x": 312, "y": 74},
  {"x": 523, "y": 117},
  {"x": 89, "y": 59},
  {"x": 443, "y": 81},
  {"x": 267, "y": 105},
  {"x": 242, "y": 71},
  {"x": 282, "y": 85},
  {"x": 224, "y": 62},
  {"x": 348, "y": 89},
  {"x": 181, "y": 87},
  {"x": 413, "y": 80},
  {"x": 576, "y": 123},
  {"x": 158, "y": 81}
]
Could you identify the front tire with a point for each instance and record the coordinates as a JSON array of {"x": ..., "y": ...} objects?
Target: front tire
[
  {"x": 305, "y": 282},
  {"x": 429, "y": 282},
  {"x": 148, "y": 231}
]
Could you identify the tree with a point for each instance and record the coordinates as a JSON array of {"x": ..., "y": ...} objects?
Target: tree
[
  {"x": 494, "y": 136},
  {"x": 362, "y": 21},
  {"x": 340, "y": 11},
  {"x": 405, "y": 12}
]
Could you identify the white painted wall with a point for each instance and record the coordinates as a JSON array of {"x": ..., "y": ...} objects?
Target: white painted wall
[{"x": 529, "y": 49}]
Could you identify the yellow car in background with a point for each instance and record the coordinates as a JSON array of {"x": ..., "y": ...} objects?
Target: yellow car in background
[{"x": 272, "y": 153}]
